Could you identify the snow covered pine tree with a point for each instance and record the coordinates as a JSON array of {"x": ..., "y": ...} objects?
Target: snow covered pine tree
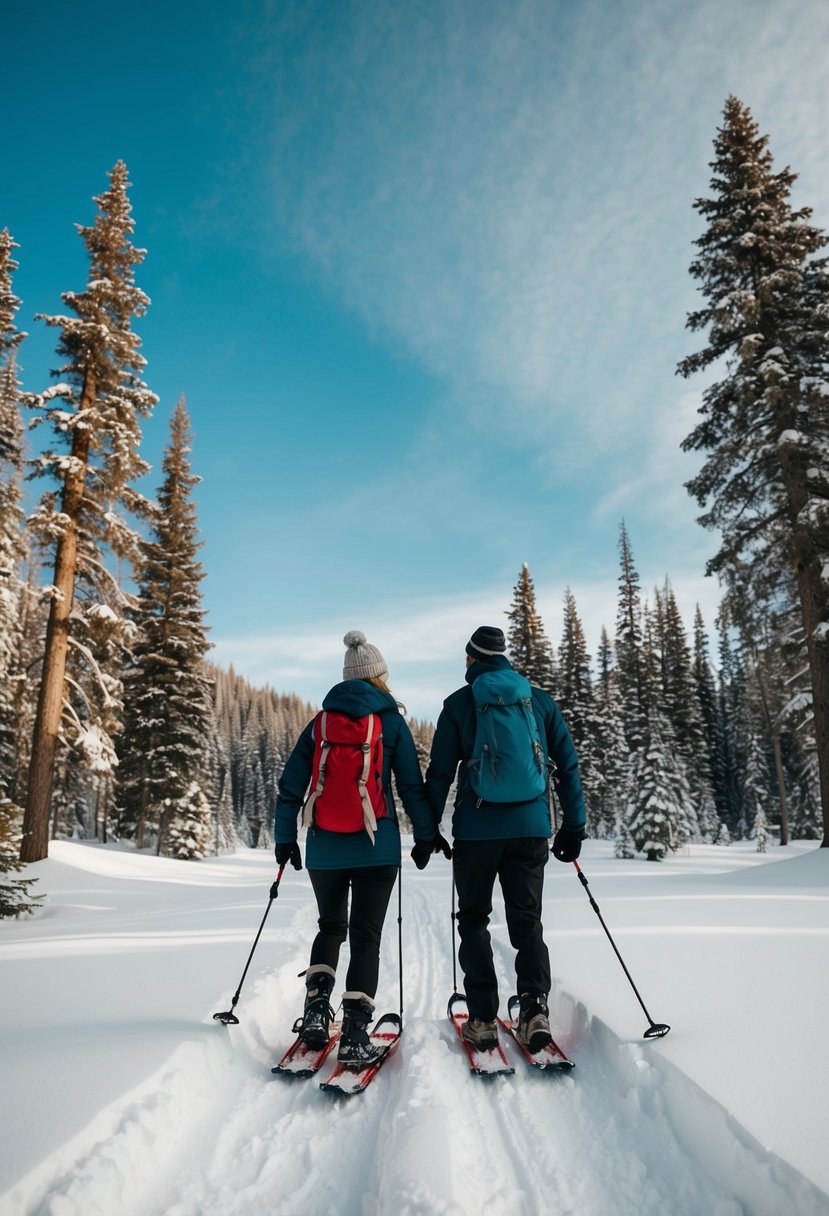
[
  {"x": 164, "y": 772},
  {"x": 11, "y": 517},
  {"x": 765, "y": 425},
  {"x": 100, "y": 403}
]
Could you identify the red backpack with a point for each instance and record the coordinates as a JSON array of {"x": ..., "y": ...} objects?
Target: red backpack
[{"x": 347, "y": 774}]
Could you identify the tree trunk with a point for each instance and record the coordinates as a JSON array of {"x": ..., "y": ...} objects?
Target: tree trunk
[
  {"x": 140, "y": 827},
  {"x": 815, "y": 612},
  {"x": 818, "y": 648},
  {"x": 35, "y": 842},
  {"x": 774, "y": 732},
  {"x": 105, "y": 811},
  {"x": 781, "y": 788}
]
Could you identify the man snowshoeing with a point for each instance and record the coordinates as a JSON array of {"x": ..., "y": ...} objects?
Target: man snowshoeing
[{"x": 502, "y": 731}]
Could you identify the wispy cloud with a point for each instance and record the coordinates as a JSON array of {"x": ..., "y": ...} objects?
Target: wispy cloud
[
  {"x": 660, "y": 468},
  {"x": 507, "y": 187}
]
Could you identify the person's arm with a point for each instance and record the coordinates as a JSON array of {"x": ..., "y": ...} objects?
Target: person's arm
[
  {"x": 293, "y": 785},
  {"x": 444, "y": 759},
  {"x": 406, "y": 768},
  {"x": 568, "y": 781}
]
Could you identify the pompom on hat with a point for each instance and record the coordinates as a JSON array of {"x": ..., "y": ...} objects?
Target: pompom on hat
[
  {"x": 485, "y": 641},
  {"x": 362, "y": 660}
]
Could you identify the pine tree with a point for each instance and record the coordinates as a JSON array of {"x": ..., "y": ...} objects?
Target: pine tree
[
  {"x": 423, "y": 732},
  {"x": 678, "y": 688},
  {"x": 629, "y": 642},
  {"x": 651, "y": 657},
  {"x": 529, "y": 650},
  {"x": 101, "y": 401},
  {"x": 678, "y": 702},
  {"x": 656, "y": 813},
  {"x": 188, "y": 831},
  {"x": 755, "y": 783},
  {"x": 723, "y": 836},
  {"x": 624, "y": 848},
  {"x": 165, "y": 745},
  {"x": 728, "y": 697},
  {"x": 804, "y": 806},
  {"x": 577, "y": 704},
  {"x": 712, "y": 770},
  {"x": 765, "y": 425},
  {"x": 101, "y": 636},
  {"x": 256, "y": 728},
  {"x": 613, "y": 760},
  {"x": 15, "y": 896},
  {"x": 219, "y": 796},
  {"x": 11, "y": 518}
]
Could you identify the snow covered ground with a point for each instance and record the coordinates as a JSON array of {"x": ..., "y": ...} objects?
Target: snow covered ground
[{"x": 121, "y": 1094}]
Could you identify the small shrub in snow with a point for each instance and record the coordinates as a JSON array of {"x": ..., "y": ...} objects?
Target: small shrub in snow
[{"x": 14, "y": 892}]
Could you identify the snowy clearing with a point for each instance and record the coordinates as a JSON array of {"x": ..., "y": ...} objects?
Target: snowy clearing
[{"x": 126, "y": 1096}]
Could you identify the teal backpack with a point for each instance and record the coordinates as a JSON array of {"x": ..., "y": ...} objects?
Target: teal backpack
[{"x": 508, "y": 762}]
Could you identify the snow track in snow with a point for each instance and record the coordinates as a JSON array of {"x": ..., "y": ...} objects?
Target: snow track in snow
[{"x": 213, "y": 1133}]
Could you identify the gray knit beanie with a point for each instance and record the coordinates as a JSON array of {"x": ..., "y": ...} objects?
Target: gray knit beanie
[{"x": 362, "y": 660}]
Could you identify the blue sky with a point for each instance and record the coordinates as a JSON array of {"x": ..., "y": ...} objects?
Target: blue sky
[{"x": 421, "y": 271}]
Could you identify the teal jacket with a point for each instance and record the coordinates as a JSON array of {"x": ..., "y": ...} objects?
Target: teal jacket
[
  {"x": 344, "y": 850},
  {"x": 452, "y": 746}
]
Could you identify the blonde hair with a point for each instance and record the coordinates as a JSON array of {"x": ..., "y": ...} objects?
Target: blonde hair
[{"x": 380, "y": 683}]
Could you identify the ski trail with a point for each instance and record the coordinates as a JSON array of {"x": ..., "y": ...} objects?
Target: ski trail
[{"x": 619, "y": 1135}]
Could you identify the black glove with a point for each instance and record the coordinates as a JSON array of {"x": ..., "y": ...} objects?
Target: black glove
[
  {"x": 422, "y": 852},
  {"x": 288, "y": 853},
  {"x": 443, "y": 846},
  {"x": 567, "y": 844}
]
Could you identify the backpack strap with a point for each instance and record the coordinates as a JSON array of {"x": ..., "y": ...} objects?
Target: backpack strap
[
  {"x": 369, "y": 818},
  {"x": 308, "y": 813},
  {"x": 535, "y": 741}
]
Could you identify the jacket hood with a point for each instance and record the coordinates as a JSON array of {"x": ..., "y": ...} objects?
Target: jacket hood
[
  {"x": 496, "y": 662},
  {"x": 356, "y": 698}
]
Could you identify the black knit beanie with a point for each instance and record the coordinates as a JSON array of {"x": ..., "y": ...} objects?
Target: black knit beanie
[{"x": 486, "y": 641}]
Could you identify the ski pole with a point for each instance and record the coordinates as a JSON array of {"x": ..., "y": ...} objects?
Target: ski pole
[
  {"x": 656, "y": 1030},
  {"x": 400, "y": 933},
  {"x": 454, "y": 942},
  {"x": 229, "y": 1017}
]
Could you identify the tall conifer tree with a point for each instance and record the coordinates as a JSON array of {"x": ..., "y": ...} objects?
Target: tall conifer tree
[
  {"x": 630, "y": 662},
  {"x": 711, "y": 778},
  {"x": 165, "y": 746},
  {"x": 529, "y": 649},
  {"x": 656, "y": 814},
  {"x": 11, "y": 517},
  {"x": 101, "y": 401},
  {"x": 765, "y": 424},
  {"x": 728, "y": 698},
  {"x": 577, "y": 703},
  {"x": 613, "y": 756}
]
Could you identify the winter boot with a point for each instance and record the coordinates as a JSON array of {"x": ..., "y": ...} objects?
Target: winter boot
[
  {"x": 313, "y": 1026},
  {"x": 356, "y": 1048},
  {"x": 480, "y": 1034},
  {"x": 533, "y": 1027}
]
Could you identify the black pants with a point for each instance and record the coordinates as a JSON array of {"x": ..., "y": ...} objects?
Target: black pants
[
  {"x": 371, "y": 888},
  {"x": 519, "y": 867}
]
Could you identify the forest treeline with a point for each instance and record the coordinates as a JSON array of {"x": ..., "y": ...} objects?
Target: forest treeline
[{"x": 113, "y": 722}]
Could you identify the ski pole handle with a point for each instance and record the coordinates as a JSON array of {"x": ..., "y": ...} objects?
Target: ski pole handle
[
  {"x": 275, "y": 885},
  {"x": 583, "y": 882}
]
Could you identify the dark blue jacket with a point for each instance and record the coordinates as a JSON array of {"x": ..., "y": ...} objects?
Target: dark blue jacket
[
  {"x": 453, "y": 744},
  {"x": 342, "y": 850}
]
